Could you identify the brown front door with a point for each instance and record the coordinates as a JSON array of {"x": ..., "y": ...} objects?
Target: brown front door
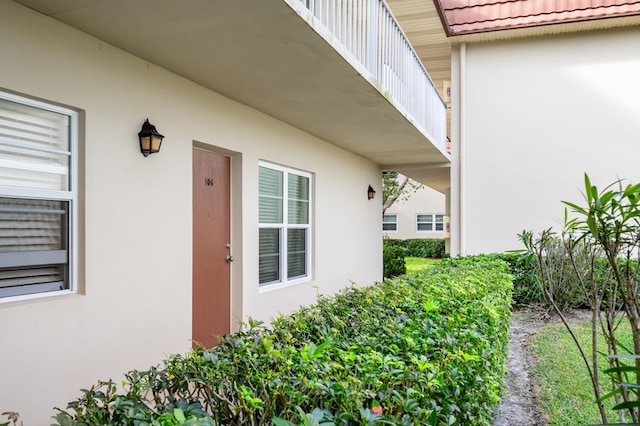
[{"x": 211, "y": 239}]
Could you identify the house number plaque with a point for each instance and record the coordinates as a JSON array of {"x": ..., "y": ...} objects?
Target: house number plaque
[{"x": 208, "y": 181}]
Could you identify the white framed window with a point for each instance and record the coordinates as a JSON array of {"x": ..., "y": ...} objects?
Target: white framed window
[
  {"x": 38, "y": 150},
  {"x": 390, "y": 222},
  {"x": 429, "y": 222},
  {"x": 284, "y": 252}
]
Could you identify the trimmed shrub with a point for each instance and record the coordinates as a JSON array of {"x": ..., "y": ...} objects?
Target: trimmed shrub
[
  {"x": 420, "y": 247},
  {"x": 394, "y": 252},
  {"x": 393, "y": 261},
  {"x": 423, "y": 247},
  {"x": 420, "y": 349},
  {"x": 526, "y": 288}
]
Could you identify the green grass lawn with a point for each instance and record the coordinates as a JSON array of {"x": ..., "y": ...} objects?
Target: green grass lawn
[
  {"x": 415, "y": 264},
  {"x": 566, "y": 393}
]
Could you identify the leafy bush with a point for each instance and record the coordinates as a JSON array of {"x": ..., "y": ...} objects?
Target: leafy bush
[
  {"x": 420, "y": 247},
  {"x": 526, "y": 288},
  {"x": 596, "y": 255},
  {"x": 393, "y": 261},
  {"x": 421, "y": 349},
  {"x": 559, "y": 268}
]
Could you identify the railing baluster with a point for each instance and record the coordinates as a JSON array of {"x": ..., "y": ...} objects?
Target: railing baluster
[
  {"x": 363, "y": 28},
  {"x": 368, "y": 30}
]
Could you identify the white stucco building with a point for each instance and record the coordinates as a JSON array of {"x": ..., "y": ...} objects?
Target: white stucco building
[
  {"x": 541, "y": 93},
  {"x": 421, "y": 215},
  {"x": 531, "y": 116},
  {"x": 273, "y": 114}
]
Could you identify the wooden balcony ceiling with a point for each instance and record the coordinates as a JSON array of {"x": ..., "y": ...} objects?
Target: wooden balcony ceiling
[{"x": 477, "y": 16}]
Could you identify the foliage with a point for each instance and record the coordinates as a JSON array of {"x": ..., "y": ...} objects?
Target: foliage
[
  {"x": 14, "y": 419},
  {"x": 559, "y": 267},
  {"x": 395, "y": 251},
  {"x": 526, "y": 289},
  {"x": 421, "y": 349},
  {"x": 396, "y": 187},
  {"x": 420, "y": 247},
  {"x": 597, "y": 255},
  {"x": 393, "y": 261},
  {"x": 426, "y": 247},
  {"x": 610, "y": 220}
]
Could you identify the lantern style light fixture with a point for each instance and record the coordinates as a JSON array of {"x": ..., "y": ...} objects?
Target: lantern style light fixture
[
  {"x": 371, "y": 194},
  {"x": 150, "y": 139}
]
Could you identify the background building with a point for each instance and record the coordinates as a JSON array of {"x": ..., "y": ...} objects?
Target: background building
[
  {"x": 421, "y": 215},
  {"x": 542, "y": 93}
]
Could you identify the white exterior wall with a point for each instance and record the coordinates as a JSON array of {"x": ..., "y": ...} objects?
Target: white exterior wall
[
  {"x": 134, "y": 306},
  {"x": 424, "y": 201},
  {"x": 530, "y": 117}
]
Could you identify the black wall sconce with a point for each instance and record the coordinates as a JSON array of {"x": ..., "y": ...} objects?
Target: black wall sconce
[
  {"x": 150, "y": 139},
  {"x": 371, "y": 194}
]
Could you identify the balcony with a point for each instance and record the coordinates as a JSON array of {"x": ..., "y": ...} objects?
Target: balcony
[{"x": 342, "y": 70}]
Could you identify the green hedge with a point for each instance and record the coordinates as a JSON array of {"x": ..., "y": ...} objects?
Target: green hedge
[
  {"x": 419, "y": 247},
  {"x": 421, "y": 349},
  {"x": 526, "y": 289},
  {"x": 393, "y": 261},
  {"x": 567, "y": 291}
]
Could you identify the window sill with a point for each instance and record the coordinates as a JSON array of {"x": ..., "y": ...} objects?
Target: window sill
[
  {"x": 279, "y": 286},
  {"x": 28, "y": 298}
]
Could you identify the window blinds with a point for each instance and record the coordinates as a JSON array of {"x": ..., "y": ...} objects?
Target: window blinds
[
  {"x": 284, "y": 234},
  {"x": 34, "y": 147},
  {"x": 269, "y": 255},
  {"x": 298, "y": 212},
  {"x": 35, "y": 155},
  {"x": 271, "y": 195},
  {"x": 271, "y": 212}
]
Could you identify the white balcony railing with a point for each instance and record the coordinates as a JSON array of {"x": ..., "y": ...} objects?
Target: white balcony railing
[{"x": 370, "y": 33}]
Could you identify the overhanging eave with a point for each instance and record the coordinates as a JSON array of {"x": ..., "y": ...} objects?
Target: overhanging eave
[{"x": 264, "y": 55}]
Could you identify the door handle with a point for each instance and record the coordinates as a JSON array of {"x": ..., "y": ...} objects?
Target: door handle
[{"x": 229, "y": 258}]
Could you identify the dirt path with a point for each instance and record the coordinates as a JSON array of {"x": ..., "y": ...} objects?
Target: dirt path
[{"x": 519, "y": 406}]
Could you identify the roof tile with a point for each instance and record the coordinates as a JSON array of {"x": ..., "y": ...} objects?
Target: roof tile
[{"x": 476, "y": 16}]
